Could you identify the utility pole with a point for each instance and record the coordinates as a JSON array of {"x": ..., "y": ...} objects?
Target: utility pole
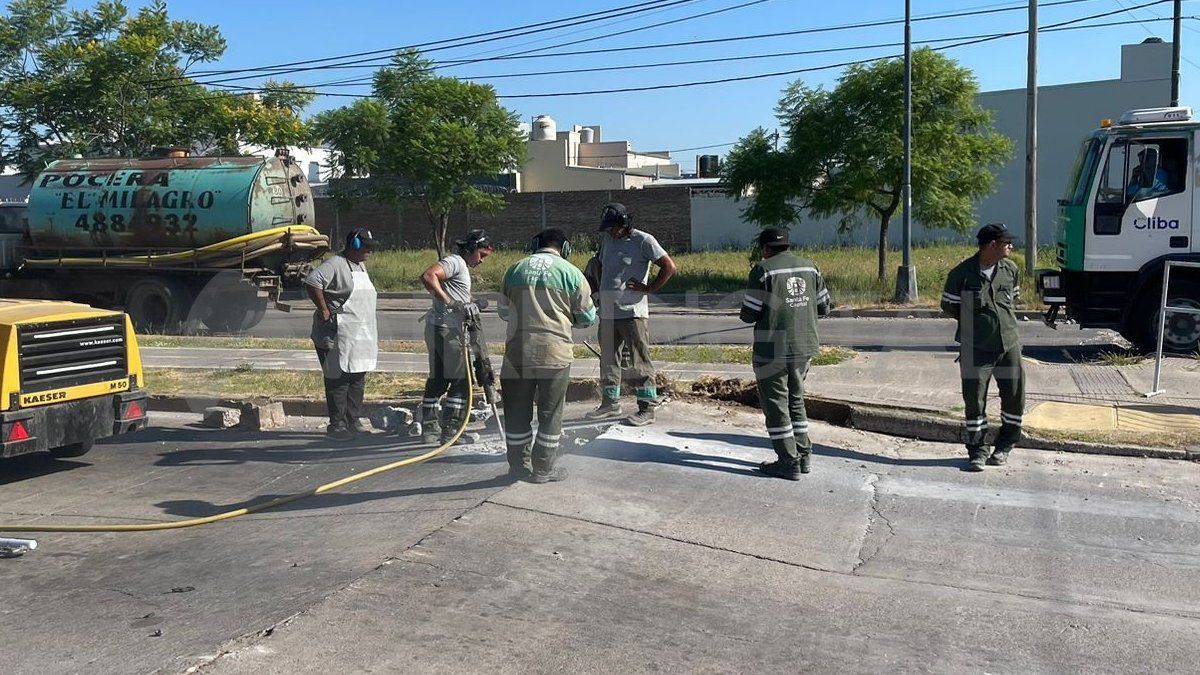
[
  {"x": 1175, "y": 53},
  {"x": 906, "y": 276},
  {"x": 1031, "y": 111}
]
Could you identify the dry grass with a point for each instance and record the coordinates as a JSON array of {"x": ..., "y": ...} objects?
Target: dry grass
[
  {"x": 664, "y": 353},
  {"x": 849, "y": 271},
  {"x": 246, "y": 381}
]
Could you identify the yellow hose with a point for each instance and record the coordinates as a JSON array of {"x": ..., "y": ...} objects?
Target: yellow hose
[
  {"x": 308, "y": 236},
  {"x": 320, "y": 489}
]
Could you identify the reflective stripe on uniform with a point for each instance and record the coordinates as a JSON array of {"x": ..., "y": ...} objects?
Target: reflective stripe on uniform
[
  {"x": 952, "y": 298},
  {"x": 777, "y": 437},
  {"x": 1010, "y": 419},
  {"x": 776, "y": 430},
  {"x": 752, "y": 303},
  {"x": 517, "y": 439}
]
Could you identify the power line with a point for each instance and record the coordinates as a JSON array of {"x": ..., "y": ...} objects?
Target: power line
[
  {"x": 378, "y": 61},
  {"x": 479, "y": 38},
  {"x": 460, "y": 62},
  {"x": 960, "y": 41}
]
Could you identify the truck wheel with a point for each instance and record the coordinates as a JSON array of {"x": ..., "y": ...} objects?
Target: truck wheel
[
  {"x": 158, "y": 305},
  {"x": 236, "y": 317},
  {"x": 73, "y": 450},
  {"x": 1183, "y": 330}
]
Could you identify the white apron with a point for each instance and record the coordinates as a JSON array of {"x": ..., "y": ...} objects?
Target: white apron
[{"x": 357, "y": 346}]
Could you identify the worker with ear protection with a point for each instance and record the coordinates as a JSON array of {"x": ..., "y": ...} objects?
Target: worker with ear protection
[
  {"x": 542, "y": 298},
  {"x": 622, "y": 275},
  {"x": 449, "y": 282},
  {"x": 344, "y": 332}
]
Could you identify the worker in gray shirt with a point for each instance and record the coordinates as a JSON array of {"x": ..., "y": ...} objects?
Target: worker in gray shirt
[
  {"x": 622, "y": 279},
  {"x": 344, "y": 332},
  {"x": 449, "y": 282}
]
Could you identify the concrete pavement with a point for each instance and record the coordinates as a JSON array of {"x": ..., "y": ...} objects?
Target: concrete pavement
[{"x": 662, "y": 551}]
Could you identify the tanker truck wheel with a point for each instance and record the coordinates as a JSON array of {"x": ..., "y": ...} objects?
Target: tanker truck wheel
[
  {"x": 158, "y": 305},
  {"x": 237, "y": 316}
]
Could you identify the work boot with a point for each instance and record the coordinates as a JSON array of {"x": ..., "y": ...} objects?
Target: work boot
[
  {"x": 805, "y": 465},
  {"x": 357, "y": 426},
  {"x": 339, "y": 433},
  {"x": 609, "y": 409},
  {"x": 644, "y": 415},
  {"x": 431, "y": 432},
  {"x": 467, "y": 438},
  {"x": 998, "y": 458},
  {"x": 783, "y": 468},
  {"x": 976, "y": 459},
  {"x": 552, "y": 476}
]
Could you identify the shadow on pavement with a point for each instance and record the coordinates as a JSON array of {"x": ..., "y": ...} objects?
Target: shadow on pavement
[
  {"x": 744, "y": 440},
  {"x": 285, "y": 447},
  {"x": 195, "y": 508},
  {"x": 35, "y": 465}
]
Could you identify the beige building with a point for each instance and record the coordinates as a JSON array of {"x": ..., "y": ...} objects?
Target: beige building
[{"x": 579, "y": 159}]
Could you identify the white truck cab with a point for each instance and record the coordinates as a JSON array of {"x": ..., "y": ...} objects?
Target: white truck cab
[{"x": 1128, "y": 208}]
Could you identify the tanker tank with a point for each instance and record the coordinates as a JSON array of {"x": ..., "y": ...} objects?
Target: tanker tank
[{"x": 175, "y": 203}]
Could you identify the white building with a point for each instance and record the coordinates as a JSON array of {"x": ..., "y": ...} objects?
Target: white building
[
  {"x": 1066, "y": 115},
  {"x": 579, "y": 159}
]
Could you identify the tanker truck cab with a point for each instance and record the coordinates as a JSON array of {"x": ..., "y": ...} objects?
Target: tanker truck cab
[
  {"x": 70, "y": 375},
  {"x": 1128, "y": 208}
]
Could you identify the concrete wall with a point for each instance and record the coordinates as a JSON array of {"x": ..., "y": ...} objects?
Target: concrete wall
[
  {"x": 1066, "y": 115},
  {"x": 664, "y": 212},
  {"x": 546, "y": 169}
]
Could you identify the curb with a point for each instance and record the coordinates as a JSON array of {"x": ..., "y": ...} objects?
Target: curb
[{"x": 902, "y": 423}]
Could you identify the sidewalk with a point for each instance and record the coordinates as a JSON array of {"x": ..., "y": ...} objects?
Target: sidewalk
[{"x": 1061, "y": 397}]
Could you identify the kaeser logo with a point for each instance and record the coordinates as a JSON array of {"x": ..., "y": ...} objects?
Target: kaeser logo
[{"x": 1155, "y": 223}]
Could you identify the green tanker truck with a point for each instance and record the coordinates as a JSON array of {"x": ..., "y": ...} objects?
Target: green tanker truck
[{"x": 177, "y": 242}]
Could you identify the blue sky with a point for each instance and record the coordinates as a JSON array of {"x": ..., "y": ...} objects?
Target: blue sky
[{"x": 265, "y": 32}]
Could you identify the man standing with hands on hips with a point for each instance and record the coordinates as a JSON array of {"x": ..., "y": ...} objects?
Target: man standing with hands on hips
[
  {"x": 344, "y": 331},
  {"x": 625, "y": 257}
]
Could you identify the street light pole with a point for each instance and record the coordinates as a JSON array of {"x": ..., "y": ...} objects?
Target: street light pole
[
  {"x": 1031, "y": 114},
  {"x": 906, "y": 276},
  {"x": 1175, "y": 53}
]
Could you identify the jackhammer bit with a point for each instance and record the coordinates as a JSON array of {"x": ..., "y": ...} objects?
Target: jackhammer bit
[{"x": 481, "y": 361}]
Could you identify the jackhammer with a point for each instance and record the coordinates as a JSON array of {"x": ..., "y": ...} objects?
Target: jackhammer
[{"x": 481, "y": 360}]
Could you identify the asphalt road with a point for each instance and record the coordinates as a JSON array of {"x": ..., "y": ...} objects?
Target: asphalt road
[
  {"x": 714, "y": 328},
  {"x": 663, "y": 551}
]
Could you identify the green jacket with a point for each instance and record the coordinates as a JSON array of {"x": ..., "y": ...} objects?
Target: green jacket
[
  {"x": 984, "y": 308},
  {"x": 542, "y": 298},
  {"x": 784, "y": 296}
]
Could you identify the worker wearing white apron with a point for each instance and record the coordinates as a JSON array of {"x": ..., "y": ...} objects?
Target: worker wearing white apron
[{"x": 344, "y": 331}]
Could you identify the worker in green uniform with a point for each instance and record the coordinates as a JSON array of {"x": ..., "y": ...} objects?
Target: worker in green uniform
[
  {"x": 784, "y": 296},
  {"x": 542, "y": 298},
  {"x": 981, "y": 293}
]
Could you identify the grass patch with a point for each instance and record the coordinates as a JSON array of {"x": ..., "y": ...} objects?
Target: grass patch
[
  {"x": 246, "y": 381},
  {"x": 664, "y": 353},
  {"x": 1145, "y": 439},
  {"x": 1118, "y": 358},
  {"x": 849, "y": 271}
]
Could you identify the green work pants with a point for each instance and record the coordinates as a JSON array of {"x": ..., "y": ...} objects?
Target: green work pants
[
  {"x": 525, "y": 389},
  {"x": 978, "y": 368},
  {"x": 447, "y": 376},
  {"x": 781, "y": 397},
  {"x": 634, "y": 333}
]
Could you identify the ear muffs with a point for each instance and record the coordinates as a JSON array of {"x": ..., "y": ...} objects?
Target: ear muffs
[
  {"x": 535, "y": 245},
  {"x": 610, "y": 213},
  {"x": 356, "y": 241}
]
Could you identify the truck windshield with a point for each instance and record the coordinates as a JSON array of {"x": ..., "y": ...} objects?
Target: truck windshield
[{"x": 1082, "y": 172}]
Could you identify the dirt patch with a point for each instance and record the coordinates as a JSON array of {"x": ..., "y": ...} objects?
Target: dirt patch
[{"x": 726, "y": 389}]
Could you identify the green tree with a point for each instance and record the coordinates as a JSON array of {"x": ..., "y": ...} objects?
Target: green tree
[
  {"x": 843, "y": 154},
  {"x": 425, "y": 137},
  {"x": 104, "y": 82}
]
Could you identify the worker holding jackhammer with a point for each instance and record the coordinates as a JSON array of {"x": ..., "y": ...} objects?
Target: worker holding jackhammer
[
  {"x": 449, "y": 282},
  {"x": 542, "y": 298}
]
